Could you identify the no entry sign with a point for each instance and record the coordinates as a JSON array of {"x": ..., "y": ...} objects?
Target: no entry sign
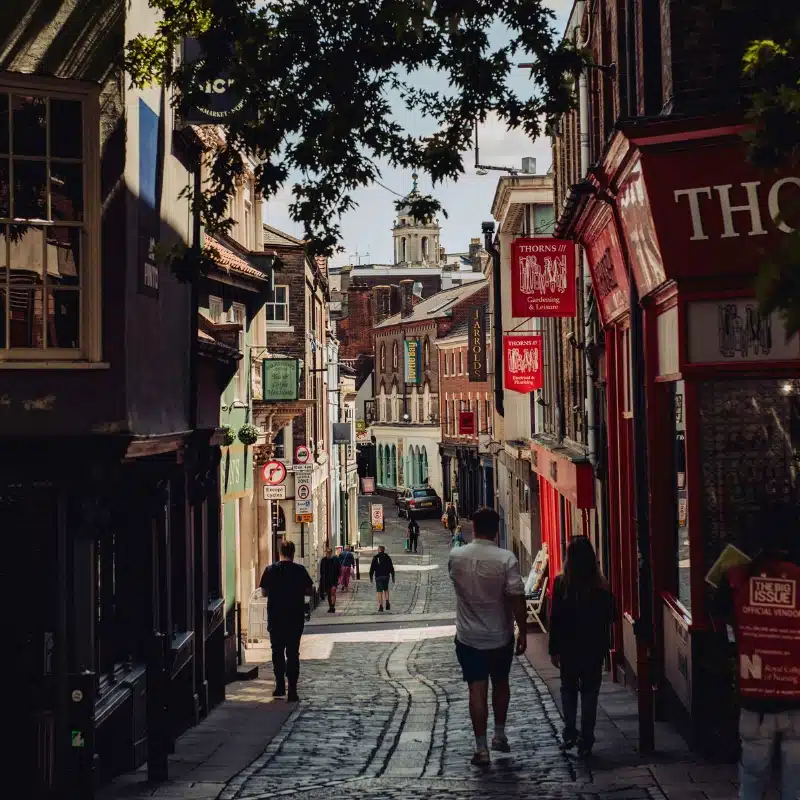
[{"x": 302, "y": 454}]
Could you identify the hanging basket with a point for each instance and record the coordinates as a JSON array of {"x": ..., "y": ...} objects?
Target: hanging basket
[
  {"x": 248, "y": 434},
  {"x": 229, "y": 437}
]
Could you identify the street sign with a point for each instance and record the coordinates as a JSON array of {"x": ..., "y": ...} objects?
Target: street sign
[
  {"x": 274, "y": 473},
  {"x": 303, "y": 517},
  {"x": 302, "y": 454},
  {"x": 376, "y": 516},
  {"x": 303, "y": 492},
  {"x": 302, "y": 469},
  {"x": 303, "y": 501},
  {"x": 275, "y": 492}
]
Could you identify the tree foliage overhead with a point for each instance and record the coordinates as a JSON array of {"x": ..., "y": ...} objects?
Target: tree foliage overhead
[
  {"x": 323, "y": 80},
  {"x": 771, "y": 67}
]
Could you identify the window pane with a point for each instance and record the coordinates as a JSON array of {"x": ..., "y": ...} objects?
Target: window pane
[
  {"x": 280, "y": 294},
  {"x": 66, "y": 191},
  {"x": 30, "y": 190},
  {"x": 3, "y": 294},
  {"x": 66, "y": 129},
  {"x": 27, "y": 253},
  {"x": 29, "y": 125},
  {"x": 280, "y": 313},
  {"x": 63, "y": 318},
  {"x": 3, "y": 122},
  {"x": 270, "y": 312},
  {"x": 5, "y": 208},
  {"x": 63, "y": 256},
  {"x": 26, "y": 317}
]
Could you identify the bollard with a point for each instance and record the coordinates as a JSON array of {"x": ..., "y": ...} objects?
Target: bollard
[
  {"x": 81, "y": 772},
  {"x": 157, "y": 715},
  {"x": 358, "y": 568},
  {"x": 239, "y": 659}
]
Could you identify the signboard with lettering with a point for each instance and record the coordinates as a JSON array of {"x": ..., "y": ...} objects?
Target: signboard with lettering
[
  {"x": 275, "y": 492},
  {"x": 376, "y": 516},
  {"x": 412, "y": 361},
  {"x": 476, "y": 344},
  {"x": 215, "y": 99},
  {"x": 342, "y": 433},
  {"x": 466, "y": 423},
  {"x": 542, "y": 278},
  {"x": 735, "y": 330},
  {"x": 303, "y": 500},
  {"x": 522, "y": 359},
  {"x": 280, "y": 379}
]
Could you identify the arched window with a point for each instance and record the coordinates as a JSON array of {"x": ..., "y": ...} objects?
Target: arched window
[
  {"x": 394, "y": 355},
  {"x": 426, "y": 353},
  {"x": 383, "y": 358},
  {"x": 393, "y": 467},
  {"x": 425, "y": 248},
  {"x": 403, "y": 249},
  {"x": 424, "y": 466},
  {"x": 387, "y": 467},
  {"x": 380, "y": 464}
]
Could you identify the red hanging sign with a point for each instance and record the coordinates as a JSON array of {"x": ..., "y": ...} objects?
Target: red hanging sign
[
  {"x": 522, "y": 357},
  {"x": 542, "y": 278},
  {"x": 466, "y": 423}
]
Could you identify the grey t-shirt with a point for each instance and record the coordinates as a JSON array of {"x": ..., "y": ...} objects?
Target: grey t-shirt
[{"x": 485, "y": 577}]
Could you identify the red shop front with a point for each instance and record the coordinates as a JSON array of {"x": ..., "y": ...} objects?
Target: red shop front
[
  {"x": 565, "y": 497},
  {"x": 676, "y": 206}
]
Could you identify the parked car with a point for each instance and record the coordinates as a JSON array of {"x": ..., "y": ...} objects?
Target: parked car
[{"x": 418, "y": 501}]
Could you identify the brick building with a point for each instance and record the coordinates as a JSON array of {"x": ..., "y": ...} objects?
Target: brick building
[
  {"x": 466, "y": 413},
  {"x": 652, "y": 181},
  {"x": 407, "y": 424}
]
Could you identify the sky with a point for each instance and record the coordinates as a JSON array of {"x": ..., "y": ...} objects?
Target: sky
[{"x": 366, "y": 230}]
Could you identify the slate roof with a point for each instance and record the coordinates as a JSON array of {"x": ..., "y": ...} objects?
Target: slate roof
[
  {"x": 275, "y": 237},
  {"x": 437, "y": 305}
]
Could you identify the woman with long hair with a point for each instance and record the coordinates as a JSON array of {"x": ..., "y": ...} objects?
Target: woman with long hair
[{"x": 581, "y": 613}]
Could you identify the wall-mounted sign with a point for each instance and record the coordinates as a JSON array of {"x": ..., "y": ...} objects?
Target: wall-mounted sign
[
  {"x": 522, "y": 358},
  {"x": 376, "y": 516},
  {"x": 280, "y": 379},
  {"x": 274, "y": 473},
  {"x": 735, "y": 330},
  {"x": 303, "y": 500},
  {"x": 216, "y": 99},
  {"x": 368, "y": 486},
  {"x": 476, "y": 344},
  {"x": 466, "y": 423},
  {"x": 412, "y": 361},
  {"x": 274, "y": 492},
  {"x": 542, "y": 278},
  {"x": 342, "y": 433}
]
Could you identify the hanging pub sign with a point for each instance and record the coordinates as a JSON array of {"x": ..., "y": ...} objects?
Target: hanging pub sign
[
  {"x": 280, "y": 379},
  {"x": 522, "y": 359},
  {"x": 213, "y": 100},
  {"x": 466, "y": 423},
  {"x": 476, "y": 344},
  {"x": 412, "y": 371},
  {"x": 542, "y": 278}
]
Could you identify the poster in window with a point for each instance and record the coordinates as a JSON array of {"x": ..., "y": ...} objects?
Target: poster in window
[
  {"x": 543, "y": 278},
  {"x": 522, "y": 358}
]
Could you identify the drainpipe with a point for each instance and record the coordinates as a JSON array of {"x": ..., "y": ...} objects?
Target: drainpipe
[{"x": 488, "y": 243}]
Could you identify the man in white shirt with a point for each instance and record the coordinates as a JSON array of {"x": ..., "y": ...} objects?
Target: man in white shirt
[{"x": 490, "y": 595}]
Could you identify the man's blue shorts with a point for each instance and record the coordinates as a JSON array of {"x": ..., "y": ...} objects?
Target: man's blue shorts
[
  {"x": 480, "y": 665},
  {"x": 382, "y": 584}
]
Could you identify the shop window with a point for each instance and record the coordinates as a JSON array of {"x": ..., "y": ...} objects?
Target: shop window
[{"x": 680, "y": 497}]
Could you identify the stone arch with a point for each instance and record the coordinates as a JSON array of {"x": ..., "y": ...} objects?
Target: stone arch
[
  {"x": 424, "y": 474},
  {"x": 393, "y": 466},
  {"x": 383, "y": 357}
]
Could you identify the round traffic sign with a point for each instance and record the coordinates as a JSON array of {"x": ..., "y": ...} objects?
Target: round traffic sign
[
  {"x": 303, "y": 491},
  {"x": 302, "y": 454},
  {"x": 274, "y": 473}
]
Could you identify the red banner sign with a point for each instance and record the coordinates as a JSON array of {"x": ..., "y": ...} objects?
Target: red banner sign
[
  {"x": 522, "y": 357},
  {"x": 767, "y": 616},
  {"x": 466, "y": 422},
  {"x": 542, "y": 278}
]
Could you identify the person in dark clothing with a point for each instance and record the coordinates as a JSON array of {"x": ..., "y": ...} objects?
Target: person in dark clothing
[
  {"x": 452, "y": 518},
  {"x": 582, "y": 610},
  {"x": 347, "y": 560},
  {"x": 286, "y": 585},
  {"x": 413, "y": 534},
  {"x": 329, "y": 569},
  {"x": 382, "y": 569}
]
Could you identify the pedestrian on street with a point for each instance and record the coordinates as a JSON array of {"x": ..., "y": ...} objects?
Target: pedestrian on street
[
  {"x": 413, "y": 534},
  {"x": 490, "y": 596},
  {"x": 452, "y": 518},
  {"x": 457, "y": 539},
  {"x": 581, "y": 615},
  {"x": 768, "y": 650},
  {"x": 286, "y": 585},
  {"x": 347, "y": 561},
  {"x": 329, "y": 569},
  {"x": 382, "y": 569}
]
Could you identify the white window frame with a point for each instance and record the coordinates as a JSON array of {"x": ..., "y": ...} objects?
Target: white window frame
[
  {"x": 89, "y": 353},
  {"x": 278, "y": 323},
  {"x": 239, "y": 310},
  {"x": 215, "y": 308},
  {"x": 446, "y": 363}
]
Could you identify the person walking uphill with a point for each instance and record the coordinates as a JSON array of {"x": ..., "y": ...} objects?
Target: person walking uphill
[
  {"x": 413, "y": 535},
  {"x": 490, "y": 595},
  {"x": 347, "y": 561},
  {"x": 285, "y": 585},
  {"x": 382, "y": 569},
  {"x": 761, "y": 600},
  {"x": 581, "y": 614},
  {"x": 329, "y": 568}
]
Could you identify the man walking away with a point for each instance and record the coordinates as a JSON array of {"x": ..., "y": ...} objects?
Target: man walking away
[
  {"x": 347, "y": 561},
  {"x": 329, "y": 578},
  {"x": 285, "y": 585},
  {"x": 413, "y": 534},
  {"x": 770, "y": 704},
  {"x": 382, "y": 569},
  {"x": 490, "y": 595},
  {"x": 452, "y": 518}
]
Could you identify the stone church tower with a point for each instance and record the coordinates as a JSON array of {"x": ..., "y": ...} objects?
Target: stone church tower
[{"x": 416, "y": 242}]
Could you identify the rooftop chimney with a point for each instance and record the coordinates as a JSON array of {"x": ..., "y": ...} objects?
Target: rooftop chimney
[
  {"x": 529, "y": 165},
  {"x": 475, "y": 250},
  {"x": 406, "y": 298},
  {"x": 382, "y": 298}
]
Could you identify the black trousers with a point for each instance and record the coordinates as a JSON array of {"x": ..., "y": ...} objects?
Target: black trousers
[
  {"x": 584, "y": 679},
  {"x": 286, "y": 654},
  {"x": 413, "y": 539}
]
